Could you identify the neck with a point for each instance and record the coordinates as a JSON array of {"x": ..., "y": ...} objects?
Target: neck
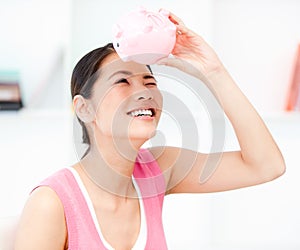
[{"x": 110, "y": 165}]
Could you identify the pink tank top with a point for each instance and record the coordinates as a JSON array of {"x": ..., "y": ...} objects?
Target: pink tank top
[{"x": 81, "y": 226}]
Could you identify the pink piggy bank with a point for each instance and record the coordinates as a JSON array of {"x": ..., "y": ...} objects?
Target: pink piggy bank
[{"x": 143, "y": 36}]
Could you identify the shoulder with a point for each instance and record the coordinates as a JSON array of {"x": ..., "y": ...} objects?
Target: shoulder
[
  {"x": 45, "y": 200},
  {"x": 43, "y": 217},
  {"x": 57, "y": 176}
]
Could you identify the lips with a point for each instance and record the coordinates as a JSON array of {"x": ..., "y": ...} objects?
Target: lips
[{"x": 140, "y": 112}]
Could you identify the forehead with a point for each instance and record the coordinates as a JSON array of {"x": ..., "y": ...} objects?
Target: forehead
[{"x": 113, "y": 63}]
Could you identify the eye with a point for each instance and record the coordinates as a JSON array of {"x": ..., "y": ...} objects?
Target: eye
[
  {"x": 151, "y": 83},
  {"x": 122, "y": 80},
  {"x": 150, "y": 80}
]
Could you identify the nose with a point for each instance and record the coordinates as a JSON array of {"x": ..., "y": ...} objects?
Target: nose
[{"x": 143, "y": 94}]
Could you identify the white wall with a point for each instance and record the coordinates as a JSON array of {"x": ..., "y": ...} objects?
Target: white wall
[
  {"x": 265, "y": 216},
  {"x": 33, "y": 39},
  {"x": 32, "y": 146},
  {"x": 257, "y": 41}
]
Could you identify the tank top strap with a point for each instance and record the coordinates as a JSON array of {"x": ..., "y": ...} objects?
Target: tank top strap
[{"x": 150, "y": 179}]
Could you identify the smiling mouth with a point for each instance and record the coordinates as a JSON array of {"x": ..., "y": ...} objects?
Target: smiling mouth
[{"x": 142, "y": 112}]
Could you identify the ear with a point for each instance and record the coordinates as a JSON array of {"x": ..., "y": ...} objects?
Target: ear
[{"x": 83, "y": 109}]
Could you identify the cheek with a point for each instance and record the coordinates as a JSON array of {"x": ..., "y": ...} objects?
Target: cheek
[
  {"x": 109, "y": 110},
  {"x": 158, "y": 98}
]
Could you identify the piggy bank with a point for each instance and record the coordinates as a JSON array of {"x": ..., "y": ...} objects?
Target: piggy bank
[{"x": 143, "y": 36}]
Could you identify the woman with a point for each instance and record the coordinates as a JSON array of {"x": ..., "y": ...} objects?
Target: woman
[{"x": 92, "y": 204}]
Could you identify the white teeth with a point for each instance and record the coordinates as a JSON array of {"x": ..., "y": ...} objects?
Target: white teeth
[{"x": 140, "y": 112}]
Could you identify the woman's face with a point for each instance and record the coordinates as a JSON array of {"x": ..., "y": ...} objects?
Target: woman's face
[{"x": 126, "y": 100}]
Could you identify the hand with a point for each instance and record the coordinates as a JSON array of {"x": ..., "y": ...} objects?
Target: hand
[{"x": 191, "y": 53}]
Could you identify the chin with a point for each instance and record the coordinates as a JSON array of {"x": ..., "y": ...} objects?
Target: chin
[{"x": 142, "y": 134}]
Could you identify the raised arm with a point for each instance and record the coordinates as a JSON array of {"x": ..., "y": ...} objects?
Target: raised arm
[{"x": 259, "y": 159}]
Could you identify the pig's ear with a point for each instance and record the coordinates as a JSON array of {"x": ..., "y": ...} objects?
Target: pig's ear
[{"x": 117, "y": 31}]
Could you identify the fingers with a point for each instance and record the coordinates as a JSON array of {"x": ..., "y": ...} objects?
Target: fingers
[
  {"x": 175, "y": 19},
  {"x": 181, "y": 28}
]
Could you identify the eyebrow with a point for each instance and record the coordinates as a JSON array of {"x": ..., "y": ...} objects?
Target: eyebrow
[
  {"x": 125, "y": 72},
  {"x": 149, "y": 77}
]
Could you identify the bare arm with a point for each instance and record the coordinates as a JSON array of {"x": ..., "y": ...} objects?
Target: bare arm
[
  {"x": 42, "y": 224},
  {"x": 259, "y": 159}
]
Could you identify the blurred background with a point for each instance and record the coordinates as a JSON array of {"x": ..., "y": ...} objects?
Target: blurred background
[{"x": 257, "y": 40}]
